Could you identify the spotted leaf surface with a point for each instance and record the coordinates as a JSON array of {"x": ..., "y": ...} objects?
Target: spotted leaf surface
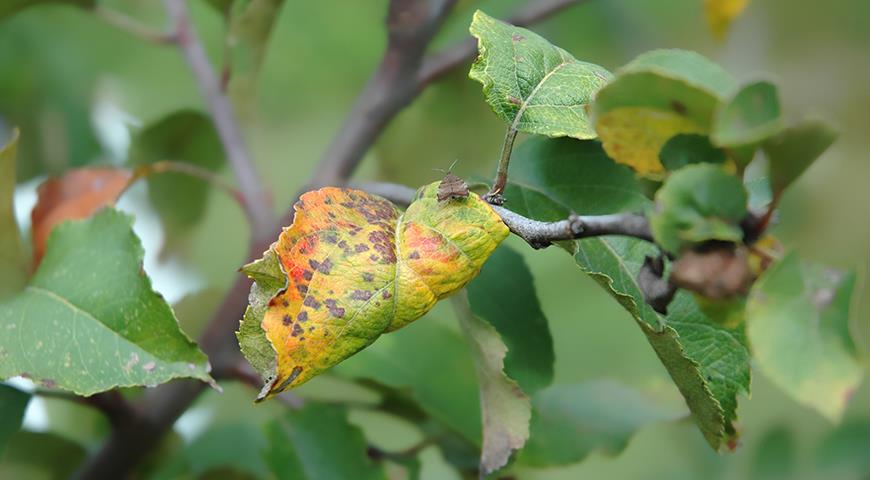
[
  {"x": 532, "y": 84},
  {"x": 353, "y": 267}
]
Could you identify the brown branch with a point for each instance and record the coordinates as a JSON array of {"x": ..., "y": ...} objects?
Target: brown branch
[
  {"x": 536, "y": 233},
  {"x": 411, "y": 24},
  {"x": 258, "y": 207},
  {"x": 437, "y": 65}
]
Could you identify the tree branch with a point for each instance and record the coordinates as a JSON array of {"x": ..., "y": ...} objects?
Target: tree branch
[
  {"x": 411, "y": 24},
  {"x": 437, "y": 65},
  {"x": 257, "y": 204}
]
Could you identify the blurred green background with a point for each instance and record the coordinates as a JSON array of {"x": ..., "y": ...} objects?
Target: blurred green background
[{"x": 81, "y": 90}]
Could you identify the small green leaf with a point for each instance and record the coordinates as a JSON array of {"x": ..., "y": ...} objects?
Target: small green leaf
[
  {"x": 13, "y": 403},
  {"x": 504, "y": 295},
  {"x": 431, "y": 362},
  {"x": 317, "y": 442},
  {"x": 708, "y": 362},
  {"x": 506, "y": 410},
  {"x": 237, "y": 445},
  {"x": 792, "y": 151},
  {"x": 189, "y": 137},
  {"x": 39, "y": 455},
  {"x": 688, "y": 149},
  {"x": 658, "y": 95},
  {"x": 698, "y": 203},
  {"x": 89, "y": 320},
  {"x": 9, "y": 7},
  {"x": 775, "y": 458},
  {"x": 250, "y": 25},
  {"x": 571, "y": 421},
  {"x": 798, "y": 325},
  {"x": 751, "y": 116},
  {"x": 532, "y": 84},
  {"x": 13, "y": 261},
  {"x": 269, "y": 279}
]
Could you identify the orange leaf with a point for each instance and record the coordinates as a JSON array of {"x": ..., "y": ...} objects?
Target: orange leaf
[{"x": 75, "y": 195}]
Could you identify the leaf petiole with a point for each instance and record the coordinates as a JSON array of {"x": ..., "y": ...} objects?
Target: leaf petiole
[{"x": 495, "y": 194}]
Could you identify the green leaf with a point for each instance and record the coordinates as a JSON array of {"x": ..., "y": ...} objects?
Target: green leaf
[
  {"x": 316, "y": 443},
  {"x": 571, "y": 421},
  {"x": 776, "y": 455},
  {"x": 688, "y": 149},
  {"x": 9, "y": 7},
  {"x": 188, "y": 137},
  {"x": 843, "y": 452},
  {"x": 792, "y": 151},
  {"x": 532, "y": 84},
  {"x": 33, "y": 455},
  {"x": 238, "y": 445},
  {"x": 269, "y": 279},
  {"x": 433, "y": 364},
  {"x": 798, "y": 325},
  {"x": 751, "y": 116},
  {"x": 659, "y": 94},
  {"x": 504, "y": 295},
  {"x": 506, "y": 410},
  {"x": 13, "y": 403},
  {"x": 698, "y": 203},
  {"x": 89, "y": 320},
  {"x": 13, "y": 261},
  {"x": 708, "y": 362},
  {"x": 250, "y": 25}
]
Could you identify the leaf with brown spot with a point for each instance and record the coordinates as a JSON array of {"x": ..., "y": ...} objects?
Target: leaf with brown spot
[
  {"x": 351, "y": 267},
  {"x": 73, "y": 196}
]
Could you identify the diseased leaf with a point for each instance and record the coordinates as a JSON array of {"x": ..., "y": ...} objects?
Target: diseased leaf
[
  {"x": 571, "y": 421},
  {"x": 13, "y": 261},
  {"x": 10, "y": 7},
  {"x": 505, "y": 409},
  {"x": 687, "y": 149},
  {"x": 533, "y": 85},
  {"x": 89, "y": 321},
  {"x": 708, "y": 362},
  {"x": 792, "y": 151},
  {"x": 698, "y": 203},
  {"x": 721, "y": 13},
  {"x": 74, "y": 196},
  {"x": 798, "y": 325},
  {"x": 317, "y": 442},
  {"x": 504, "y": 296},
  {"x": 656, "y": 96},
  {"x": 188, "y": 137},
  {"x": 751, "y": 116},
  {"x": 13, "y": 403},
  {"x": 357, "y": 268}
]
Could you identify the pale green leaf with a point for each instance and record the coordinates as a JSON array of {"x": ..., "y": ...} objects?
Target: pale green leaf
[
  {"x": 796, "y": 148},
  {"x": 698, "y": 203},
  {"x": 571, "y": 421},
  {"x": 505, "y": 409},
  {"x": 89, "y": 321},
  {"x": 751, "y": 116},
  {"x": 315, "y": 443},
  {"x": 533, "y": 85},
  {"x": 798, "y": 324}
]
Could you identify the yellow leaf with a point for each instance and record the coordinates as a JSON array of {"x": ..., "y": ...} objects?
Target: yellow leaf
[
  {"x": 635, "y": 135},
  {"x": 721, "y": 13},
  {"x": 356, "y": 268}
]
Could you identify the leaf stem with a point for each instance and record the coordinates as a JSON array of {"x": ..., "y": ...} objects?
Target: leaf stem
[{"x": 495, "y": 195}]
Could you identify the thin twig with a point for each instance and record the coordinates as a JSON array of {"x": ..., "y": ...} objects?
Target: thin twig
[
  {"x": 437, "y": 65},
  {"x": 257, "y": 204},
  {"x": 494, "y": 196},
  {"x": 132, "y": 26}
]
